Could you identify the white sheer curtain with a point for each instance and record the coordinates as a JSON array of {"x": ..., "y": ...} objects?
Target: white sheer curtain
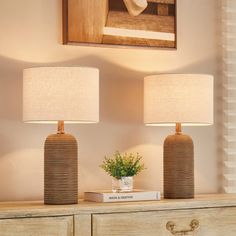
[{"x": 229, "y": 82}]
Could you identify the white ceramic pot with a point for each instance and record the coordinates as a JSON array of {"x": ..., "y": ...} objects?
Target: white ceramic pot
[{"x": 125, "y": 184}]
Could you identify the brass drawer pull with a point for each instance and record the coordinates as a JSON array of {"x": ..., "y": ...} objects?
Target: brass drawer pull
[{"x": 170, "y": 226}]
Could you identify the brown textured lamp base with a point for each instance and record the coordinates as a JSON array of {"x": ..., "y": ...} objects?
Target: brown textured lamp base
[
  {"x": 178, "y": 166},
  {"x": 60, "y": 169}
]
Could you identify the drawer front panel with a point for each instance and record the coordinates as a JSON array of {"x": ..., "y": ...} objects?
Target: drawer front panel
[
  {"x": 82, "y": 225},
  {"x": 212, "y": 222},
  {"x": 46, "y": 226}
]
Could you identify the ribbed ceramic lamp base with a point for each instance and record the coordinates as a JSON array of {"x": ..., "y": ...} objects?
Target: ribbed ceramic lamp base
[
  {"x": 60, "y": 170},
  {"x": 178, "y": 167}
]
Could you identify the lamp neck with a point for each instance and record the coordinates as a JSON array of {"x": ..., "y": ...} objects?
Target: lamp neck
[
  {"x": 178, "y": 128},
  {"x": 60, "y": 127}
]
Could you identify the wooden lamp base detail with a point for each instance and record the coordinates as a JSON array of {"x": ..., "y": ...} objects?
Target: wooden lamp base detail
[
  {"x": 178, "y": 167},
  {"x": 60, "y": 170}
]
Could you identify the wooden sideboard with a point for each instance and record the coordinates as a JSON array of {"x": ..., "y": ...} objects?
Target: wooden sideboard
[{"x": 206, "y": 215}]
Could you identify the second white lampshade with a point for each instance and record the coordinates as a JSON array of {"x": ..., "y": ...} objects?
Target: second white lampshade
[{"x": 178, "y": 98}]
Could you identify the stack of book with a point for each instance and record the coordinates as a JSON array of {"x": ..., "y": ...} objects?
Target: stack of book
[{"x": 108, "y": 196}]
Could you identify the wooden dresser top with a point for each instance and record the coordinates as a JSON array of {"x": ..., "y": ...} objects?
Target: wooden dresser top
[{"x": 38, "y": 209}]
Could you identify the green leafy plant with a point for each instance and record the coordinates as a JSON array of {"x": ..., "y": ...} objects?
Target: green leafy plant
[{"x": 123, "y": 165}]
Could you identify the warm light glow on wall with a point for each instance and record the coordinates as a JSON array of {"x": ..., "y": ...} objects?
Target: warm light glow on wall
[{"x": 178, "y": 98}]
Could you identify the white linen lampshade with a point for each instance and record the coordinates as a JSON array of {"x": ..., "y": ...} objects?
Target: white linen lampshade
[{"x": 70, "y": 94}]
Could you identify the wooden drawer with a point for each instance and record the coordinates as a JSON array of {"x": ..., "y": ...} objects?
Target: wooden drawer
[
  {"x": 213, "y": 222},
  {"x": 45, "y": 226}
]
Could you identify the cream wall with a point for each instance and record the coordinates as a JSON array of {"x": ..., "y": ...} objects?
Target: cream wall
[{"x": 30, "y": 36}]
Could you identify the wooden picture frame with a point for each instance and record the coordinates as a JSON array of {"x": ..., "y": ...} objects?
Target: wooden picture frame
[{"x": 120, "y": 23}]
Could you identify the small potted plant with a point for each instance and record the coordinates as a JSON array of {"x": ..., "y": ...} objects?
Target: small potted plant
[{"x": 122, "y": 168}]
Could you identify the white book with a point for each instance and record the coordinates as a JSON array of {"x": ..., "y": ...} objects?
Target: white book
[{"x": 136, "y": 195}]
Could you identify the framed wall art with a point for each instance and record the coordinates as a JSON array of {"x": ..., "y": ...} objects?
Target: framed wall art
[{"x": 139, "y": 23}]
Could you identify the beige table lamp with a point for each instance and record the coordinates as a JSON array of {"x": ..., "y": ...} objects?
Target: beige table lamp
[
  {"x": 61, "y": 95},
  {"x": 178, "y": 99}
]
